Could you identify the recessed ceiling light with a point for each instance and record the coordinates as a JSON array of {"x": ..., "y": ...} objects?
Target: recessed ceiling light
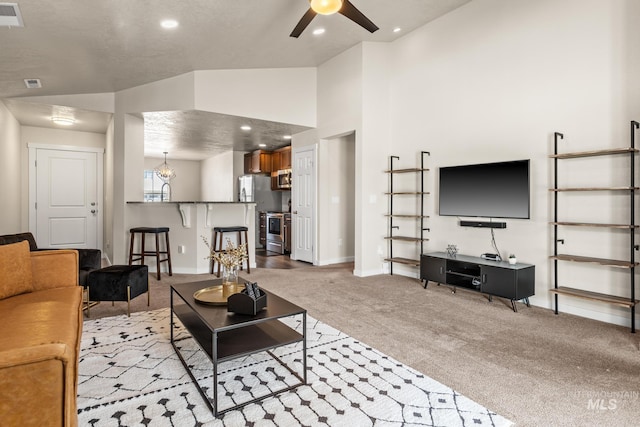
[
  {"x": 397, "y": 29},
  {"x": 286, "y": 137},
  {"x": 169, "y": 24},
  {"x": 63, "y": 121},
  {"x": 245, "y": 127},
  {"x": 262, "y": 145},
  {"x": 318, "y": 31}
]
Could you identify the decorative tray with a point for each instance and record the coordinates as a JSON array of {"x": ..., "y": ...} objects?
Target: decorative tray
[{"x": 218, "y": 294}]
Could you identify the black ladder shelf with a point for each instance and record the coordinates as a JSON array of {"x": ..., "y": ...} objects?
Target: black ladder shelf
[
  {"x": 392, "y": 215},
  {"x": 630, "y": 264}
]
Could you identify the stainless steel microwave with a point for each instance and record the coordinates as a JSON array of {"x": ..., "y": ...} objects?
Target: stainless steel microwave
[{"x": 284, "y": 179}]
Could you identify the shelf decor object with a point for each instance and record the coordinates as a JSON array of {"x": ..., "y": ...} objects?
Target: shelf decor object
[
  {"x": 629, "y": 301},
  {"x": 396, "y": 218}
]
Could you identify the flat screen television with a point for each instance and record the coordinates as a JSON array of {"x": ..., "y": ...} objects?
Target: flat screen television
[{"x": 489, "y": 190}]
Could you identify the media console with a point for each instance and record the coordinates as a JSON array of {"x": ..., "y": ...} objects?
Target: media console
[{"x": 494, "y": 278}]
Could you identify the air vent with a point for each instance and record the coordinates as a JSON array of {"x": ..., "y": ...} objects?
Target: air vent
[
  {"x": 10, "y": 15},
  {"x": 32, "y": 83}
]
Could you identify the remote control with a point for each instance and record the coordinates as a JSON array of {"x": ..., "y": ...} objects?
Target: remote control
[{"x": 250, "y": 291}]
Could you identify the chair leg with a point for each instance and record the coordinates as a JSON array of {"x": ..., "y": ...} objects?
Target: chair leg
[
  {"x": 142, "y": 250},
  {"x": 131, "y": 248},
  {"x": 239, "y": 243},
  {"x": 212, "y": 263},
  {"x": 128, "y": 301},
  {"x": 219, "y": 248},
  {"x": 88, "y": 305},
  {"x": 158, "y": 256},
  {"x": 168, "y": 253}
]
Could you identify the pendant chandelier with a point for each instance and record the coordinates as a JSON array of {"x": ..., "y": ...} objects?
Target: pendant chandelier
[{"x": 163, "y": 171}]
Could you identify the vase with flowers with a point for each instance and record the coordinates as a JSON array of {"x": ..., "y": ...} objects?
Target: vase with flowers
[{"x": 230, "y": 259}]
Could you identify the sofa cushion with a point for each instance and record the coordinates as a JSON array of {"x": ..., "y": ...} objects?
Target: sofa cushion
[
  {"x": 41, "y": 318},
  {"x": 15, "y": 269}
]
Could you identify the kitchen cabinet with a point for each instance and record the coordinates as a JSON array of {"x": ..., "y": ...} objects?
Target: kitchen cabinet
[
  {"x": 275, "y": 161},
  {"x": 258, "y": 161},
  {"x": 284, "y": 159}
]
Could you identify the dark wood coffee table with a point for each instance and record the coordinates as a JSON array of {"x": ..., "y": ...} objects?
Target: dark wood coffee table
[{"x": 225, "y": 336}]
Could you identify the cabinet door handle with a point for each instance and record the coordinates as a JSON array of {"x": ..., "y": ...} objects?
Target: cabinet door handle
[
  {"x": 441, "y": 270},
  {"x": 484, "y": 278}
]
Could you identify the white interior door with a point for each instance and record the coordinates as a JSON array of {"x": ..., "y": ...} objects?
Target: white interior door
[
  {"x": 67, "y": 197},
  {"x": 303, "y": 204}
]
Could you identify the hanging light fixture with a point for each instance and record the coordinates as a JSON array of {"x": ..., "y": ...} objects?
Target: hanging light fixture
[
  {"x": 163, "y": 171},
  {"x": 325, "y": 7}
]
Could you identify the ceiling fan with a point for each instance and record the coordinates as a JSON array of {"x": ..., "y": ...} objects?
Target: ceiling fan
[{"x": 329, "y": 7}]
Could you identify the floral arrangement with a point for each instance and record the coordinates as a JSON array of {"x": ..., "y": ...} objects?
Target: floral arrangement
[{"x": 231, "y": 257}]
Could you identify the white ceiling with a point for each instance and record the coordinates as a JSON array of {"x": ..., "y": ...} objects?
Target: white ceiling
[{"x": 96, "y": 46}]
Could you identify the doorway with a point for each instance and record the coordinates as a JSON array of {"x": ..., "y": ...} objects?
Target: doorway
[{"x": 66, "y": 196}]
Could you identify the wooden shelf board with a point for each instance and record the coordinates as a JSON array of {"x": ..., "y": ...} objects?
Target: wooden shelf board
[
  {"x": 601, "y": 261},
  {"x": 594, "y": 296},
  {"x": 405, "y": 261},
  {"x": 406, "y": 238},
  {"x": 595, "y": 189},
  {"x": 406, "y": 170},
  {"x": 413, "y": 193},
  {"x": 405, "y": 216},
  {"x": 577, "y": 154},
  {"x": 590, "y": 224}
]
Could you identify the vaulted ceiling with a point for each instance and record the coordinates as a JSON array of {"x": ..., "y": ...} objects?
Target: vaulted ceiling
[{"x": 96, "y": 46}]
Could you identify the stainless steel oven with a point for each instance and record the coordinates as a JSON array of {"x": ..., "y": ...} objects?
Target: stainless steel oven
[{"x": 275, "y": 232}]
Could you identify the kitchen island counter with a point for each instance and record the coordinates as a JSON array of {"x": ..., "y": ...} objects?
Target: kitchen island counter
[{"x": 191, "y": 222}]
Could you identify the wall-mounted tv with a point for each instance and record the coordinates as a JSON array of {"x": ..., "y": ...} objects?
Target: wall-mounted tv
[{"x": 489, "y": 190}]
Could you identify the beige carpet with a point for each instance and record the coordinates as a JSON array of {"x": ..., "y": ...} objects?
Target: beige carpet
[{"x": 532, "y": 367}]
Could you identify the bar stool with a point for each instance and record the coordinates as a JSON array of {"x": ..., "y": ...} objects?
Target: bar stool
[
  {"x": 156, "y": 253},
  {"x": 218, "y": 233}
]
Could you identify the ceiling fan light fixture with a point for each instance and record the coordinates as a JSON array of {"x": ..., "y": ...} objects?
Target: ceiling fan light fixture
[{"x": 325, "y": 7}]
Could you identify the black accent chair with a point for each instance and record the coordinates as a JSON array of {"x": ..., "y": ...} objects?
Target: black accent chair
[{"x": 88, "y": 259}]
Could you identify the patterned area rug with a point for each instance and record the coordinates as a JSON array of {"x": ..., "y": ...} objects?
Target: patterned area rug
[{"x": 130, "y": 375}]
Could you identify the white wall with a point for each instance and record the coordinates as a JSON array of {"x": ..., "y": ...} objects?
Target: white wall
[
  {"x": 492, "y": 81},
  {"x": 336, "y": 199},
  {"x": 218, "y": 178},
  {"x": 108, "y": 192},
  {"x": 10, "y": 173},
  {"x": 285, "y": 95},
  {"x": 186, "y": 185}
]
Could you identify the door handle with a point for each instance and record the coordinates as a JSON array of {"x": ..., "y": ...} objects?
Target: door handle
[
  {"x": 93, "y": 203},
  {"x": 295, "y": 212},
  {"x": 93, "y": 211}
]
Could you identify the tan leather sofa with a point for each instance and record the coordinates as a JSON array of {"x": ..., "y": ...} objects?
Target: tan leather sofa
[{"x": 40, "y": 330}]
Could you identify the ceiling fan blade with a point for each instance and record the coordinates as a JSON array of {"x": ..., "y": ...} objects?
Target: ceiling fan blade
[
  {"x": 351, "y": 12},
  {"x": 303, "y": 23}
]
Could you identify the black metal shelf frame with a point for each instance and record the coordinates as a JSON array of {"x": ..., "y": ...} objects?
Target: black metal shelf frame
[
  {"x": 631, "y": 152},
  {"x": 392, "y": 226}
]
